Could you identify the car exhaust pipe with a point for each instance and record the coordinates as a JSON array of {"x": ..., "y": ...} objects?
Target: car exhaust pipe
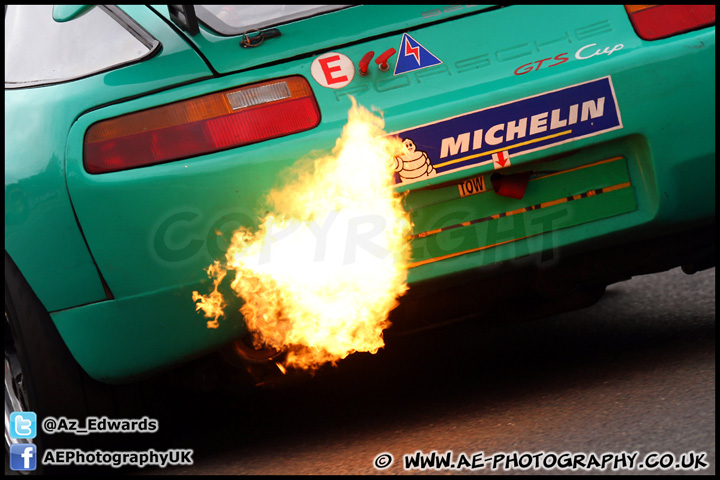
[{"x": 263, "y": 365}]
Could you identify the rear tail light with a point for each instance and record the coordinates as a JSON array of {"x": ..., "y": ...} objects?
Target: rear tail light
[
  {"x": 652, "y": 22},
  {"x": 201, "y": 125}
]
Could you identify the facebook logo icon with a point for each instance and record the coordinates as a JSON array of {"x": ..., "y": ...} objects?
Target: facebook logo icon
[{"x": 23, "y": 457}]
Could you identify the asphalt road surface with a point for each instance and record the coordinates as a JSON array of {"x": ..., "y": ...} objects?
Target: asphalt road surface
[
  {"x": 632, "y": 375},
  {"x": 630, "y": 379}
]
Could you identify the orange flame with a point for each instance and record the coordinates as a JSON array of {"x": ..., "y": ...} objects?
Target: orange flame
[
  {"x": 214, "y": 303},
  {"x": 325, "y": 268}
]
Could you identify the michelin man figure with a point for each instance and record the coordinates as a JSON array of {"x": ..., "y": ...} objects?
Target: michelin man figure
[{"x": 413, "y": 164}]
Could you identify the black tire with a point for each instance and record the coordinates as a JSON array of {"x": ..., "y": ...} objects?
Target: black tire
[{"x": 43, "y": 376}]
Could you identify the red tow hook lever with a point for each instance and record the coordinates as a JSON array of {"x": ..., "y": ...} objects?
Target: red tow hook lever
[
  {"x": 382, "y": 59},
  {"x": 513, "y": 185},
  {"x": 364, "y": 62}
]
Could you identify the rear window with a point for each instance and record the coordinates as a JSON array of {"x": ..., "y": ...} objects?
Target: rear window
[
  {"x": 40, "y": 51},
  {"x": 238, "y": 19}
]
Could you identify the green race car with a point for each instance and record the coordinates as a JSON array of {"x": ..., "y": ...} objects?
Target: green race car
[{"x": 549, "y": 151}]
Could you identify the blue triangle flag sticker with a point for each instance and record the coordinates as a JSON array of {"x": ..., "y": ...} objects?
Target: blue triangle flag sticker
[{"x": 413, "y": 56}]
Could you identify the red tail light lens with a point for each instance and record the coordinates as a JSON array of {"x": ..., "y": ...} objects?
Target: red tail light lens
[
  {"x": 201, "y": 125},
  {"x": 653, "y": 22}
]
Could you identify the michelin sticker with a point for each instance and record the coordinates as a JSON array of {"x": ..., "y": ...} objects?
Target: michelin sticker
[
  {"x": 412, "y": 164},
  {"x": 494, "y": 135}
]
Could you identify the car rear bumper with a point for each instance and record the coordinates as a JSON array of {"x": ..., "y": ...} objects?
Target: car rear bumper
[{"x": 627, "y": 190}]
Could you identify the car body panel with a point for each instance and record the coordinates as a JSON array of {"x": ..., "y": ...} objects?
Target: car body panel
[
  {"x": 133, "y": 337},
  {"x": 41, "y": 232},
  {"x": 152, "y": 231},
  {"x": 315, "y": 34}
]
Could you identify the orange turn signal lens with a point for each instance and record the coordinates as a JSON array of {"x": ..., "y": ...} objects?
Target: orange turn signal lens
[{"x": 201, "y": 125}]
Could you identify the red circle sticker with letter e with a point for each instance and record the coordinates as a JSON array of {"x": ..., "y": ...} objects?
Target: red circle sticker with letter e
[{"x": 333, "y": 70}]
